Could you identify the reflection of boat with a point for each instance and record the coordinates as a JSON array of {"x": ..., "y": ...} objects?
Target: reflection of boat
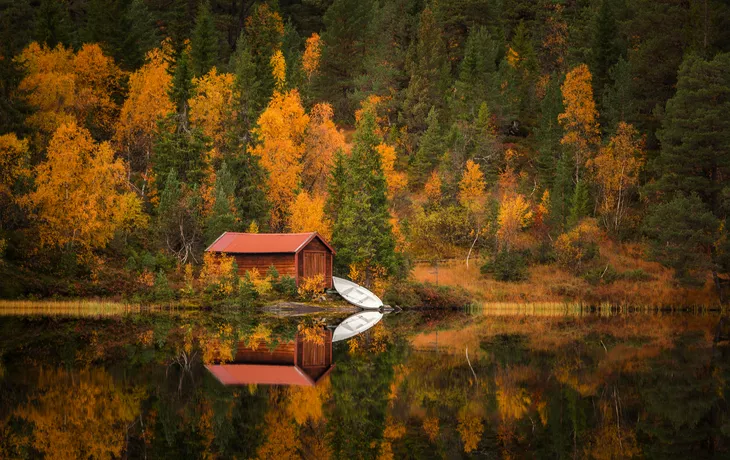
[
  {"x": 356, "y": 294},
  {"x": 356, "y": 324},
  {"x": 297, "y": 362}
]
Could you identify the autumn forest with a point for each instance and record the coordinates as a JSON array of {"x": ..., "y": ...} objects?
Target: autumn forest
[{"x": 534, "y": 150}]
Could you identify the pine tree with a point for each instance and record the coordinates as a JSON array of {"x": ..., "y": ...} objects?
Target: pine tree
[
  {"x": 549, "y": 132},
  {"x": 618, "y": 103},
  {"x": 204, "y": 42},
  {"x": 362, "y": 232},
  {"x": 222, "y": 217},
  {"x": 487, "y": 149},
  {"x": 264, "y": 36},
  {"x": 250, "y": 93},
  {"x": 103, "y": 26},
  {"x": 429, "y": 73},
  {"x": 182, "y": 87},
  {"x": 182, "y": 150},
  {"x": 695, "y": 134},
  {"x": 562, "y": 191},
  {"x": 53, "y": 24},
  {"x": 430, "y": 149},
  {"x": 140, "y": 34},
  {"x": 344, "y": 43},
  {"x": 476, "y": 73},
  {"x": 605, "y": 49},
  {"x": 250, "y": 193},
  {"x": 580, "y": 205}
]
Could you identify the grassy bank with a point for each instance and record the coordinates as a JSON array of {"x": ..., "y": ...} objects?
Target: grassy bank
[{"x": 624, "y": 278}]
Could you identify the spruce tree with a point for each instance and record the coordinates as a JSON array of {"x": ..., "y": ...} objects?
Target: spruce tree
[
  {"x": 580, "y": 205},
  {"x": 487, "y": 150},
  {"x": 204, "y": 42},
  {"x": 477, "y": 73},
  {"x": 562, "y": 191},
  {"x": 336, "y": 186},
  {"x": 140, "y": 34},
  {"x": 53, "y": 24},
  {"x": 222, "y": 217},
  {"x": 179, "y": 218},
  {"x": 695, "y": 134},
  {"x": 251, "y": 94},
  {"x": 182, "y": 87},
  {"x": 549, "y": 132},
  {"x": 429, "y": 73},
  {"x": 430, "y": 149},
  {"x": 605, "y": 50},
  {"x": 362, "y": 232},
  {"x": 344, "y": 42},
  {"x": 617, "y": 103}
]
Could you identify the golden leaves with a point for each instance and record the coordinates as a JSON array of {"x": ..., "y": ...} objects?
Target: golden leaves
[
  {"x": 13, "y": 163},
  {"x": 211, "y": 105},
  {"x": 280, "y": 131},
  {"x": 278, "y": 70},
  {"x": 64, "y": 86},
  {"x": 147, "y": 102},
  {"x": 514, "y": 215},
  {"x": 78, "y": 197},
  {"x": 471, "y": 187},
  {"x": 322, "y": 140},
  {"x": 433, "y": 187},
  {"x": 396, "y": 180},
  {"x": 580, "y": 119},
  {"x": 312, "y": 53},
  {"x": 307, "y": 215}
]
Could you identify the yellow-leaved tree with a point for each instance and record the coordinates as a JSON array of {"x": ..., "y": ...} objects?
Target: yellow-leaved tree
[
  {"x": 307, "y": 215},
  {"x": 148, "y": 102},
  {"x": 580, "y": 119},
  {"x": 64, "y": 86},
  {"x": 312, "y": 53},
  {"x": 280, "y": 132},
  {"x": 616, "y": 170},
  {"x": 81, "y": 197},
  {"x": 210, "y": 106},
  {"x": 514, "y": 211},
  {"x": 473, "y": 197},
  {"x": 322, "y": 140},
  {"x": 396, "y": 180}
]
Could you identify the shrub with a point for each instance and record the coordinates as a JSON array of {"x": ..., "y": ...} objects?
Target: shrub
[
  {"x": 261, "y": 284},
  {"x": 507, "y": 266},
  {"x": 578, "y": 246},
  {"x": 219, "y": 275},
  {"x": 161, "y": 290},
  {"x": 413, "y": 294},
  {"x": 286, "y": 286},
  {"x": 636, "y": 275},
  {"x": 311, "y": 287},
  {"x": 605, "y": 275}
]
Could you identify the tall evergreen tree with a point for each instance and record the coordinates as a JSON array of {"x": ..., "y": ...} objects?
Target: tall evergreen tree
[
  {"x": 204, "y": 42},
  {"x": 250, "y": 94},
  {"x": 617, "y": 103},
  {"x": 476, "y": 73},
  {"x": 487, "y": 150},
  {"x": 430, "y": 149},
  {"x": 344, "y": 42},
  {"x": 362, "y": 232},
  {"x": 605, "y": 49},
  {"x": 53, "y": 23},
  {"x": 179, "y": 218},
  {"x": 140, "y": 34},
  {"x": 549, "y": 132},
  {"x": 222, "y": 217},
  {"x": 182, "y": 87},
  {"x": 429, "y": 73}
]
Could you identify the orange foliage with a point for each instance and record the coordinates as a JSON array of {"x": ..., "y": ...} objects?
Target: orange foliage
[
  {"x": 305, "y": 403},
  {"x": 471, "y": 188},
  {"x": 78, "y": 197},
  {"x": 396, "y": 180},
  {"x": 147, "y": 102},
  {"x": 307, "y": 215},
  {"x": 431, "y": 427},
  {"x": 210, "y": 107},
  {"x": 514, "y": 215},
  {"x": 470, "y": 428},
  {"x": 580, "y": 119},
  {"x": 616, "y": 169},
  {"x": 278, "y": 70},
  {"x": 433, "y": 187},
  {"x": 282, "y": 440},
  {"x": 80, "y": 415},
  {"x": 312, "y": 53},
  {"x": 280, "y": 131},
  {"x": 218, "y": 272},
  {"x": 311, "y": 287},
  {"x": 322, "y": 140},
  {"x": 571, "y": 247},
  {"x": 64, "y": 86}
]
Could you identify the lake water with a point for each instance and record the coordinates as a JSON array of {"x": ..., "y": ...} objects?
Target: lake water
[{"x": 199, "y": 384}]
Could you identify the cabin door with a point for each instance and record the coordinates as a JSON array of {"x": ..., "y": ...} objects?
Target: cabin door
[{"x": 314, "y": 263}]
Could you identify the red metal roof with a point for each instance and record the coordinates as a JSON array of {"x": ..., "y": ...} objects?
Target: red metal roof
[
  {"x": 264, "y": 374},
  {"x": 260, "y": 243}
]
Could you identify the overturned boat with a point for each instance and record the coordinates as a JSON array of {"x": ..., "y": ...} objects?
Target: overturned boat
[
  {"x": 356, "y": 294},
  {"x": 356, "y": 324}
]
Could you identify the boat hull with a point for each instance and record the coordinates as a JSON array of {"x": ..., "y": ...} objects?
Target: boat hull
[{"x": 356, "y": 295}]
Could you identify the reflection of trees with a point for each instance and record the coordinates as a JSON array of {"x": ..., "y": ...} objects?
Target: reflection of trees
[{"x": 80, "y": 414}]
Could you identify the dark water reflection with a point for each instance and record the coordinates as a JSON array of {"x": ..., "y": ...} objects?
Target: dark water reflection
[{"x": 417, "y": 385}]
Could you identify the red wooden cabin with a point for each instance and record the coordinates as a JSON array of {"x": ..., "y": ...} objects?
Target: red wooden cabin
[
  {"x": 298, "y": 362},
  {"x": 299, "y": 255}
]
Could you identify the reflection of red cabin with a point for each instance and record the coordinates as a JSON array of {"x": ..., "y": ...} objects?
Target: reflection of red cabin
[
  {"x": 297, "y": 362},
  {"x": 299, "y": 255}
]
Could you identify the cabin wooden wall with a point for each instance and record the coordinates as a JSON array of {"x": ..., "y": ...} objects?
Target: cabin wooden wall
[
  {"x": 314, "y": 358},
  {"x": 260, "y": 353},
  {"x": 284, "y": 263},
  {"x": 317, "y": 246}
]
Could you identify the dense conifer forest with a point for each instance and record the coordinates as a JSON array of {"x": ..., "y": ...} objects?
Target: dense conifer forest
[{"x": 515, "y": 138}]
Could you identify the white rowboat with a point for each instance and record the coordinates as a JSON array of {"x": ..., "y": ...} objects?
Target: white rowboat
[
  {"x": 356, "y": 324},
  {"x": 356, "y": 295}
]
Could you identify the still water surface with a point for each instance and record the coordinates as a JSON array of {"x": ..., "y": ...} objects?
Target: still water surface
[{"x": 201, "y": 384}]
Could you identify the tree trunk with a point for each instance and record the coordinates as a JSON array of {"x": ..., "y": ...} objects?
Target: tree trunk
[{"x": 718, "y": 286}]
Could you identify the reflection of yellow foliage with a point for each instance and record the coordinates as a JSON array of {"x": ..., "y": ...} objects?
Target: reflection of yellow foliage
[
  {"x": 305, "y": 403},
  {"x": 313, "y": 334},
  {"x": 512, "y": 400},
  {"x": 470, "y": 428},
  {"x": 282, "y": 440},
  {"x": 146, "y": 337},
  {"x": 84, "y": 415},
  {"x": 612, "y": 440},
  {"x": 218, "y": 346},
  {"x": 261, "y": 333},
  {"x": 431, "y": 427},
  {"x": 386, "y": 451}
]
